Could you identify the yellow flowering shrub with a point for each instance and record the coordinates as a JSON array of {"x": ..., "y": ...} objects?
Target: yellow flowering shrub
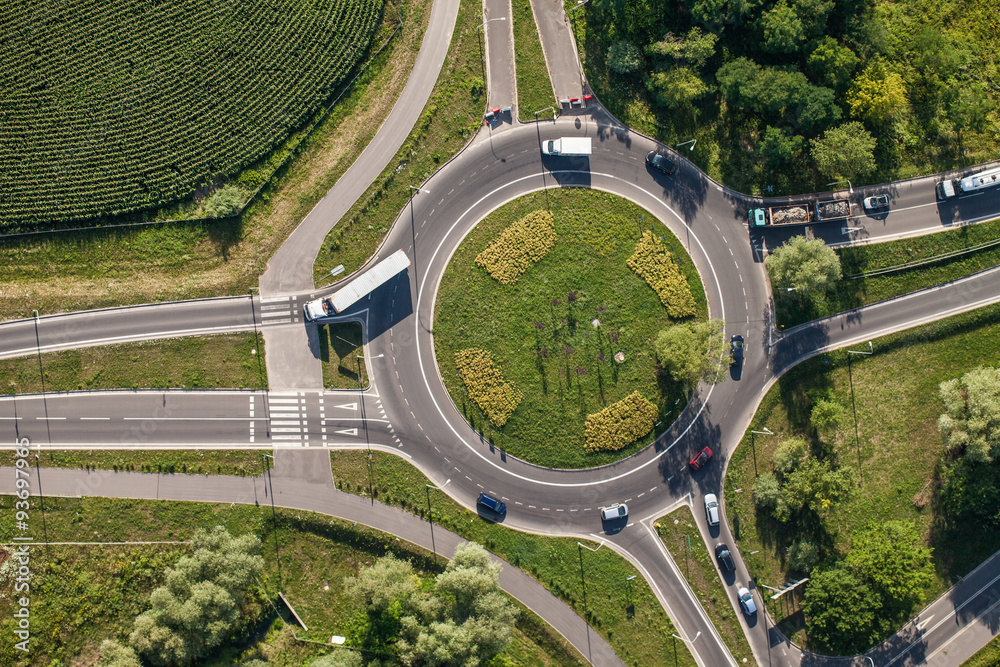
[
  {"x": 518, "y": 247},
  {"x": 654, "y": 264},
  {"x": 620, "y": 424},
  {"x": 486, "y": 386}
]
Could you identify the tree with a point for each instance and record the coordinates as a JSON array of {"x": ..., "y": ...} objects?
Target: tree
[
  {"x": 803, "y": 555},
  {"x": 693, "y": 351},
  {"x": 813, "y": 14},
  {"x": 225, "y": 202},
  {"x": 970, "y": 423},
  {"x": 841, "y": 612},
  {"x": 384, "y": 585},
  {"x": 199, "y": 605},
  {"x": 694, "y": 48},
  {"x": 715, "y": 14},
  {"x": 827, "y": 416},
  {"x": 832, "y": 63},
  {"x": 767, "y": 493},
  {"x": 789, "y": 456},
  {"x": 779, "y": 148},
  {"x": 845, "y": 151},
  {"x": 807, "y": 266},
  {"x": 970, "y": 493},
  {"x": 783, "y": 31},
  {"x": 114, "y": 654},
  {"x": 894, "y": 562},
  {"x": 877, "y": 95},
  {"x": 815, "y": 487},
  {"x": 676, "y": 88},
  {"x": 341, "y": 658},
  {"x": 624, "y": 57}
]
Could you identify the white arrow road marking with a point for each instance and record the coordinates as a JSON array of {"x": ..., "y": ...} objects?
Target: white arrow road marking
[
  {"x": 348, "y": 431},
  {"x": 923, "y": 624},
  {"x": 348, "y": 406}
]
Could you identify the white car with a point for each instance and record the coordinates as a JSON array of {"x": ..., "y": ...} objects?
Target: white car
[
  {"x": 616, "y": 511},
  {"x": 746, "y": 601},
  {"x": 712, "y": 509},
  {"x": 876, "y": 201}
]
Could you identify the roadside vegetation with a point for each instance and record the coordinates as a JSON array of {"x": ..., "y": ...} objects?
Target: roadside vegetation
[
  {"x": 885, "y": 524},
  {"x": 534, "y": 88},
  {"x": 88, "y": 594},
  {"x": 905, "y": 265},
  {"x": 246, "y": 463},
  {"x": 785, "y": 97},
  {"x": 594, "y": 583},
  {"x": 105, "y": 267},
  {"x": 225, "y": 361},
  {"x": 340, "y": 345},
  {"x": 682, "y": 539},
  {"x": 987, "y": 656},
  {"x": 573, "y": 335},
  {"x": 450, "y": 119}
]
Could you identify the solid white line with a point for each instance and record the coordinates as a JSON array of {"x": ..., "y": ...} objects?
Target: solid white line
[
  {"x": 95, "y": 418},
  {"x": 181, "y": 419},
  {"x": 51, "y": 418},
  {"x": 291, "y": 422}
]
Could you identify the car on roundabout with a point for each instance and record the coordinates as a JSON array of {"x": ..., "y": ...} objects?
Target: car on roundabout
[
  {"x": 494, "y": 504},
  {"x": 736, "y": 349},
  {"x": 613, "y": 512},
  {"x": 661, "y": 163},
  {"x": 700, "y": 459}
]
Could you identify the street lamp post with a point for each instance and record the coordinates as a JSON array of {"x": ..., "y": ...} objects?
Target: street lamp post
[
  {"x": 413, "y": 230},
  {"x": 552, "y": 109},
  {"x": 364, "y": 422},
  {"x": 430, "y": 516},
  {"x": 850, "y": 378},
  {"x": 41, "y": 376},
  {"x": 753, "y": 445},
  {"x": 479, "y": 33},
  {"x": 676, "y": 637},
  {"x": 274, "y": 516},
  {"x": 693, "y": 142},
  {"x": 260, "y": 363},
  {"x": 850, "y": 190},
  {"x": 579, "y": 3}
]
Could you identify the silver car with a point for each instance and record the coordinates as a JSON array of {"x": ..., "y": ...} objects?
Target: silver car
[
  {"x": 712, "y": 509},
  {"x": 616, "y": 511}
]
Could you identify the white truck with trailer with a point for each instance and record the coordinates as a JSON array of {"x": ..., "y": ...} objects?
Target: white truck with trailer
[
  {"x": 367, "y": 282},
  {"x": 951, "y": 187},
  {"x": 567, "y": 146}
]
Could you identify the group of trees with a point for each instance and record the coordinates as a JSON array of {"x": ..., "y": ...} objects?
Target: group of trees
[
  {"x": 693, "y": 351},
  {"x": 809, "y": 90},
  {"x": 809, "y": 267}
]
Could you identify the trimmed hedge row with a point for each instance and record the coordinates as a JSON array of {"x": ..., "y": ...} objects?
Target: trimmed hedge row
[
  {"x": 620, "y": 424},
  {"x": 518, "y": 247},
  {"x": 486, "y": 386},
  {"x": 655, "y": 264}
]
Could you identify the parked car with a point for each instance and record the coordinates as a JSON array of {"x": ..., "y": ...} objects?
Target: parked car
[
  {"x": 724, "y": 557},
  {"x": 712, "y": 509},
  {"x": 746, "y": 601},
  {"x": 876, "y": 201},
  {"x": 736, "y": 349},
  {"x": 616, "y": 511},
  {"x": 660, "y": 162},
  {"x": 700, "y": 459},
  {"x": 495, "y": 504}
]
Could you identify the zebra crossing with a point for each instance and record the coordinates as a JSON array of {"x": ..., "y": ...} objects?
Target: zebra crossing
[
  {"x": 312, "y": 418},
  {"x": 280, "y": 310}
]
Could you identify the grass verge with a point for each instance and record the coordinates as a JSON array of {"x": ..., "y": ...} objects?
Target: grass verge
[
  {"x": 208, "y": 462},
  {"x": 227, "y": 361},
  {"x": 593, "y": 583},
  {"x": 450, "y": 118},
  {"x": 107, "y": 267},
  {"x": 340, "y": 345},
  {"x": 899, "y": 452},
  {"x": 534, "y": 88},
  {"x": 681, "y": 538},
  {"x": 987, "y": 656},
  {"x": 89, "y": 593},
  {"x": 853, "y": 293},
  {"x": 540, "y": 329}
]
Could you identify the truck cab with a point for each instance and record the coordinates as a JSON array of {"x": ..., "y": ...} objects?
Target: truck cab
[
  {"x": 317, "y": 309},
  {"x": 757, "y": 217},
  {"x": 945, "y": 189}
]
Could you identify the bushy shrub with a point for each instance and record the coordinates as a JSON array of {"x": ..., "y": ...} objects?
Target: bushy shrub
[
  {"x": 624, "y": 57},
  {"x": 485, "y": 384},
  {"x": 655, "y": 264},
  {"x": 224, "y": 202},
  {"x": 803, "y": 555},
  {"x": 518, "y": 247},
  {"x": 620, "y": 424},
  {"x": 767, "y": 492}
]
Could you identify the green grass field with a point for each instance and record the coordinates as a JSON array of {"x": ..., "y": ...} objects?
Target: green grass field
[
  {"x": 197, "y": 462},
  {"x": 627, "y": 615},
  {"x": 988, "y": 656},
  {"x": 228, "y": 361},
  {"x": 339, "y": 347},
  {"x": 681, "y": 538},
  {"x": 852, "y": 293},
  {"x": 540, "y": 329},
  {"x": 241, "y": 77},
  {"x": 451, "y": 117},
  {"x": 89, "y": 593},
  {"x": 900, "y": 449},
  {"x": 534, "y": 88}
]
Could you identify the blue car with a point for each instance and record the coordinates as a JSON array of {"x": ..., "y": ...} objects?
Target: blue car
[{"x": 495, "y": 504}]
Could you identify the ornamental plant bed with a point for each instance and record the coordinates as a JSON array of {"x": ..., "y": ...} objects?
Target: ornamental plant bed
[
  {"x": 518, "y": 247},
  {"x": 620, "y": 424},
  {"x": 486, "y": 386},
  {"x": 655, "y": 264}
]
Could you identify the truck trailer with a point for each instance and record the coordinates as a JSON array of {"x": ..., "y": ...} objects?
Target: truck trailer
[
  {"x": 951, "y": 187},
  {"x": 364, "y": 284},
  {"x": 788, "y": 214},
  {"x": 567, "y": 146}
]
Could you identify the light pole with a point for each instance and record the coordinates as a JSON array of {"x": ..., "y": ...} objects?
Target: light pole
[
  {"x": 430, "y": 516},
  {"x": 41, "y": 376},
  {"x": 583, "y": 579},
  {"x": 364, "y": 422},
  {"x": 413, "y": 230},
  {"x": 689, "y": 141},
  {"x": 850, "y": 378},
  {"x": 870, "y": 660},
  {"x": 552, "y": 109},
  {"x": 676, "y": 637},
  {"x": 850, "y": 190},
  {"x": 579, "y": 3},
  {"x": 482, "y": 53},
  {"x": 753, "y": 445},
  {"x": 274, "y": 517},
  {"x": 260, "y": 362}
]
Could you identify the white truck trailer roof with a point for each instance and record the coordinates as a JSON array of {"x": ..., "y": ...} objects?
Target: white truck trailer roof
[{"x": 379, "y": 274}]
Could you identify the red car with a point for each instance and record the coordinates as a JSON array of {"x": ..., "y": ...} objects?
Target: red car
[{"x": 701, "y": 459}]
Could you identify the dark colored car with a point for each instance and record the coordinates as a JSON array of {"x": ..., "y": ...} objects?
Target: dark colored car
[
  {"x": 724, "y": 557},
  {"x": 701, "y": 459},
  {"x": 495, "y": 504},
  {"x": 660, "y": 162},
  {"x": 736, "y": 351}
]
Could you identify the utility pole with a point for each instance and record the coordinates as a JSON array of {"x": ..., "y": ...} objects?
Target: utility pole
[{"x": 850, "y": 378}]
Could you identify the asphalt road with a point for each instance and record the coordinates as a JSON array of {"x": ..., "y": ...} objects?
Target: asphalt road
[{"x": 559, "y": 49}]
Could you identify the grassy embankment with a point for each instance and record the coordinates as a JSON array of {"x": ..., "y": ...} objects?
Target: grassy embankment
[
  {"x": 540, "y": 328},
  {"x": 852, "y": 293},
  {"x": 681, "y": 538},
  {"x": 452, "y": 116},
  {"x": 593, "y": 583},
  {"x": 104, "y": 267},
  {"x": 534, "y": 88},
  {"x": 899, "y": 452},
  {"x": 84, "y": 594},
  {"x": 340, "y": 345}
]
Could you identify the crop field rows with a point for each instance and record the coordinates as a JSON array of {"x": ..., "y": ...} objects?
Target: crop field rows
[{"x": 93, "y": 125}]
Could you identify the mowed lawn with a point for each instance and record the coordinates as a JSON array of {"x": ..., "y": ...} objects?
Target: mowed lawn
[
  {"x": 898, "y": 455},
  {"x": 541, "y": 329}
]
